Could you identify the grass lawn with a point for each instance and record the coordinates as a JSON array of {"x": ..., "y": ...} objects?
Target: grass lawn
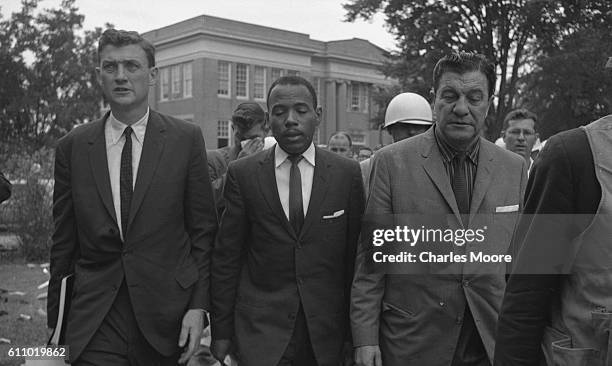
[{"x": 18, "y": 277}]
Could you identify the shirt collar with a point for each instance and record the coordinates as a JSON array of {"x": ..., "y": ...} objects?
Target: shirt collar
[
  {"x": 448, "y": 152},
  {"x": 280, "y": 155},
  {"x": 117, "y": 127}
]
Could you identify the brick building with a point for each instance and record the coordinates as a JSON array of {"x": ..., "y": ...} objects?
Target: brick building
[{"x": 208, "y": 65}]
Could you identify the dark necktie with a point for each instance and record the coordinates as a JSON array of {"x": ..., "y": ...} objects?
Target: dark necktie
[
  {"x": 125, "y": 180},
  {"x": 296, "y": 205},
  {"x": 460, "y": 185}
]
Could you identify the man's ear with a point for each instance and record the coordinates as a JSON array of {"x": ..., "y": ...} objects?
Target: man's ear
[
  {"x": 153, "y": 75},
  {"x": 319, "y": 113}
]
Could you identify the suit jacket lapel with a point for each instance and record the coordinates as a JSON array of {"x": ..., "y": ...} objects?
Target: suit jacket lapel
[
  {"x": 99, "y": 166},
  {"x": 434, "y": 167},
  {"x": 319, "y": 190},
  {"x": 267, "y": 183},
  {"x": 152, "y": 149},
  {"x": 483, "y": 176}
]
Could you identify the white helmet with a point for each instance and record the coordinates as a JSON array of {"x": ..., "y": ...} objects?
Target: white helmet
[{"x": 408, "y": 108}]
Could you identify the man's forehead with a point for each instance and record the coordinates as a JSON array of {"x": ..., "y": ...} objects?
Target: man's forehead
[
  {"x": 521, "y": 123},
  {"x": 131, "y": 52},
  {"x": 470, "y": 80},
  {"x": 290, "y": 94}
]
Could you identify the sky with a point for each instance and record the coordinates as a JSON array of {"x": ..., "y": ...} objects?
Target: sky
[{"x": 321, "y": 19}]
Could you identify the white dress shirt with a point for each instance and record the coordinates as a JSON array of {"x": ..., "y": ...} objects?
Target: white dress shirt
[
  {"x": 282, "y": 170},
  {"x": 113, "y": 132}
]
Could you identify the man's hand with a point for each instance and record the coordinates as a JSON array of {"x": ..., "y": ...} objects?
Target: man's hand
[
  {"x": 368, "y": 356},
  {"x": 220, "y": 349},
  {"x": 252, "y": 146},
  {"x": 193, "y": 325}
]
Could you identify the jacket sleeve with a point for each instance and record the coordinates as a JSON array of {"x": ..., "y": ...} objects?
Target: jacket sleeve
[
  {"x": 227, "y": 258},
  {"x": 64, "y": 248},
  {"x": 368, "y": 286},
  {"x": 200, "y": 219}
]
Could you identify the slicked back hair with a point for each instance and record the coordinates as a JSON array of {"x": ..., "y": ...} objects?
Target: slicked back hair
[
  {"x": 462, "y": 62},
  {"x": 119, "y": 38},
  {"x": 293, "y": 80}
]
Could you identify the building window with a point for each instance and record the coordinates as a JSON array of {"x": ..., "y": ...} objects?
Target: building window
[
  {"x": 242, "y": 80},
  {"x": 293, "y": 73},
  {"x": 259, "y": 83},
  {"x": 176, "y": 81},
  {"x": 223, "y": 69},
  {"x": 164, "y": 84},
  {"x": 355, "y": 98},
  {"x": 187, "y": 80},
  {"x": 358, "y": 139},
  {"x": 275, "y": 74},
  {"x": 223, "y": 133},
  {"x": 365, "y": 98}
]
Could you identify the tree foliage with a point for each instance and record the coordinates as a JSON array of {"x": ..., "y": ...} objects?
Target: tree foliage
[
  {"x": 47, "y": 83},
  {"x": 511, "y": 33}
]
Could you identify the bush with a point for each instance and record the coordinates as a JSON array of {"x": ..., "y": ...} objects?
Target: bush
[{"x": 28, "y": 213}]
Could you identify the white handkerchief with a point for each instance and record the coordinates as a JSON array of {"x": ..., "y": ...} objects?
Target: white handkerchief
[
  {"x": 334, "y": 215},
  {"x": 511, "y": 208}
]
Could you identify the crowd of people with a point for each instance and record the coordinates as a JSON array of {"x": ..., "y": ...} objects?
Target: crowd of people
[{"x": 263, "y": 237}]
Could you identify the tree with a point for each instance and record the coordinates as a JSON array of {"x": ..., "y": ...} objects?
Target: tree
[
  {"x": 570, "y": 85},
  {"x": 47, "y": 83},
  {"x": 505, "y": 31}
]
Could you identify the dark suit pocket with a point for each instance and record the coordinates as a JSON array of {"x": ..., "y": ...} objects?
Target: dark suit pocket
[
  {"x": 396, "y": 309},
  {"x": 187, "y": 276}
]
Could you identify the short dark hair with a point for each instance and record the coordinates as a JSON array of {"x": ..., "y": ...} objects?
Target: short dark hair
[
  {"x": 248, "y": 114},
  {"x": 293, "y": 80},
  {"x": 119, "y": 37},
  {"x": 341, "y": 133},
  {"x": 518, "y": 114},
  {"x": 462, "y": 62}
]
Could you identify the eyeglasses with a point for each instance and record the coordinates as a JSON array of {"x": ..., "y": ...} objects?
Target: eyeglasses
[{"x": 338, "y": 149}]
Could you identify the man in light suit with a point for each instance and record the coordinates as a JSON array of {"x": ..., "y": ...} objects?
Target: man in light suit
[
  {"x": 134, "y": 221},
  {"x": 284, "y": 257},
  {"x": 440, "y": 319}
]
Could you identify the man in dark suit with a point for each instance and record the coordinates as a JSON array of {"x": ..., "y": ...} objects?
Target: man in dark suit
[
  {"x": 5, "y": 188},
  {"x": 449, "y": 171},
  {"x": 134, "y": 221},
  {"x": 283, "y": 260}
]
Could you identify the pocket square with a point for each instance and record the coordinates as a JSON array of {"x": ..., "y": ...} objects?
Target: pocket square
[
  {"x": 511, "y": 208},
  {"x": 334, "y": 215}
]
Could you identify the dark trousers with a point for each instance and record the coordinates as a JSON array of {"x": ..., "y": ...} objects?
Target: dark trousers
[
  {"x": 299, "y": 351},
  {"x": 119, "y": 341}
]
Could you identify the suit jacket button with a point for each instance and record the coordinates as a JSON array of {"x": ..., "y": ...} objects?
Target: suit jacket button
[
  {"x": 459, "y": 320},
  {"x": 466, "y": 283}
]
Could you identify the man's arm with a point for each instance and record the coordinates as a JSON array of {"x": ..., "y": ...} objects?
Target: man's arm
[
  {"x": 368, "y": 286},
  {"x": 200, "y": 219},
  {"x": 64, "y": 248},
  {"x": 545, "y": 230},
  {"x": 227, "y": 263},
  {"x": 5, "y": 188}
]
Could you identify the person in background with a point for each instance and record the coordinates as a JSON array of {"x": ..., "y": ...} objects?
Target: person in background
[
  {"x": 134, "y": 222},
  {"x": 364, "y": 153},
  {"x": 284, "y": 257},
  {"x": 341, "y": 143},
  {"x": 407, "y": 115},
  {"x": 452, "y": 172},
  {"x": 5, "y": 188},
  {"x": 250, "y": 130},
  {"x": 520, "y": 133}
]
